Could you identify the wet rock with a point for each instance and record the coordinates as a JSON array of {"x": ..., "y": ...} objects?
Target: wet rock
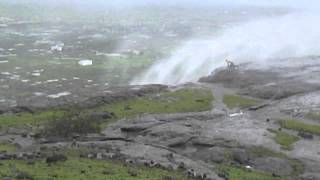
[
  {"x": 217, "y": 154},
  {"x": 240, "y": 156},
  {"x": 101, "y": 115},
  {"x": 305, "y": 135},
  {"x": 56, "y": 158},
  {"x": 273, "y": 165},
  {"x": 310, "y": 177}
]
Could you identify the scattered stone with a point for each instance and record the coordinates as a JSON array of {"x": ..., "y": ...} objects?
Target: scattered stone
[
  {"x": 305, "y": 135},
  {"x": 240, "y": 156},
  {"x": 56, "y": 158},
  {"x": 132, "y": 172}
]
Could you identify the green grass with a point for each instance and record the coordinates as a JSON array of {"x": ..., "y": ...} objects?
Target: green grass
[
  {"x": 299, "y": 126},
  {"x": 265, "y": 152},
  {"x": 234, "y": 101},
  {"x": 238, "y": 173},
  {"x": 6, "y": 147},
  {"x": 82, "y": 169},
  {"x": 21, "y": 119},
  {"x": 285, "y": 140},
  {"x": 184, "y": 100}
]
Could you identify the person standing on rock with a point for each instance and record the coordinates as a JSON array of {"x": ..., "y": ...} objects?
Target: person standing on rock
[{"x": 230, "y": 65}]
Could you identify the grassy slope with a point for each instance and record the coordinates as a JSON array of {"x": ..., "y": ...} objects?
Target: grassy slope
[
  {"x": 83, "y": 169},
  {"x": 284, "y": 139},
  {"x": 299, "y": 126},
  {"x": 234, "y": 101},
  {"x": 28, "y": 118},
  {"x": 184, "y": 100},
  {"x": 237, "y": 173}
]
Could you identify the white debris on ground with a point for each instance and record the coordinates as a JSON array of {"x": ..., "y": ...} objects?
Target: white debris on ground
[
  {"x": 51, "y": 80},
  {"x": 1, "y": 62},
  {"x": 36, "y": 74},
  {"x": 111, "y": 55},
  {"x": 5, "y": 73},
  {"x": 85, "y": 62},
  {"x": 236, "y": 114},
  {"x": 25, "y": 80},
  {"x": 54, "y": 96},
  {"x": 38, "y": 94},
  {"x": 57, "y": 48}
]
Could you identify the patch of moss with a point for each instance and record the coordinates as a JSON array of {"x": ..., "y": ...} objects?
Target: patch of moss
[
  {"x": 285, "y": 140},
  {"x": 297, "y": 166},
  {"x": 20, "y": 119},
  {"x": 299, "y": 126},
  {"x": 239, "y": 173},
  {"x": 234, "y": 101},
  {"x": 265, "y": 152},
  {"x": 83, "y": 169},
  {"x": 6, "y": 147},
  {"x": 184, "y": 100}
]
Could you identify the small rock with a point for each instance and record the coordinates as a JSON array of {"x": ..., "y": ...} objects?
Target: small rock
[
  {"x": 132, "y": 173},
  {"x": 240, "y": 156},
  {"x": 107, "y": 172},
  {"x": 99, "y": 156},
  {"x": 305, "y": 135},
  {"x": 56, "y": 158}
]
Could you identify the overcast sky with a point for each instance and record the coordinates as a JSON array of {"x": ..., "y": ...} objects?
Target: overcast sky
[{"x": 309, "y": 4}]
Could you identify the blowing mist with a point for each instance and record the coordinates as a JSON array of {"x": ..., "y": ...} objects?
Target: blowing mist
[{"x": 262, "y": 40}]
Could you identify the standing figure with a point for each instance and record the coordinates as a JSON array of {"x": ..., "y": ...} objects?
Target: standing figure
[{"x": 230, "y": 65}]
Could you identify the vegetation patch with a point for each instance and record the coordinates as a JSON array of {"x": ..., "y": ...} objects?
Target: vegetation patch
[
  {"x": 265, "y": 152},
  {"x": 72, "y": 124},
  {"x": 81, "y": 121},
  {"x": 6, "y": 147},
  {"x": 21, "y": 119},
  {"x": 236, "y": 173},
  {"x": 285, "y": 140},
  {"x": 234, "y": 101},
  {"x": 183, "y": 100},
  {"x": 75, "y": 168},
  {"x": 299, "y": 126}
]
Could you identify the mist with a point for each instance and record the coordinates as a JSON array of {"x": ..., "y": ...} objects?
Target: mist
[{"x": 262, "y": 41}]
